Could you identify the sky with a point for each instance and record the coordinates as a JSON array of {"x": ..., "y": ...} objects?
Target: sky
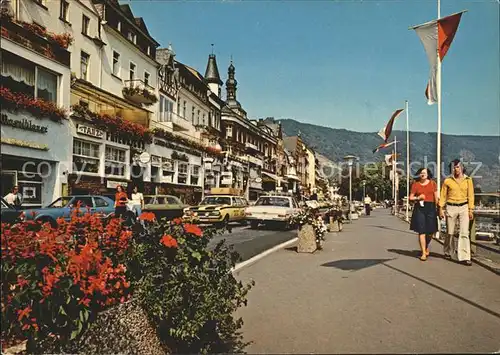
[{"x": 340, "y": 64}]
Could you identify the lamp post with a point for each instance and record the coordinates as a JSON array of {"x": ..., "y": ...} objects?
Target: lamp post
[
  {"x": 364, "y": 188},
  {"x": 350, "y": 160},
  {"x": 376, "y": 193}
]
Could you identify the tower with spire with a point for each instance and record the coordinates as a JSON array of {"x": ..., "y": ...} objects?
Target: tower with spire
[
  {"x": 212, "y": 74},
  {"x": 231, "y": 86}
]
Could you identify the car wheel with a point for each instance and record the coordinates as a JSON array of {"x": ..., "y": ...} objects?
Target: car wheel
[{"x": 254, "y": 224}]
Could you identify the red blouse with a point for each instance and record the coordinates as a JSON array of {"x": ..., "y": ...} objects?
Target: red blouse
[{"x": 428, "y": 190}]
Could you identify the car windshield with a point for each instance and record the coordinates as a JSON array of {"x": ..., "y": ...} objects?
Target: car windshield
[
  {"x": 216, "y": 200},
  {"x": 273, "y": 201},
  {"x": 60, "y": 202}
]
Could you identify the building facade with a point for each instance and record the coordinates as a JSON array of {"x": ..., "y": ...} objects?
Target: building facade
[{"x": 34, "y": 104}]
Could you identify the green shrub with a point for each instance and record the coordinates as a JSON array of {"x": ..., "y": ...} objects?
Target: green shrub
[{"x": 187, "y": 289}]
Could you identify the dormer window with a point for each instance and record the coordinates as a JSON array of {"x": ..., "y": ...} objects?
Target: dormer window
[
  {"x": 149, "y": 50},
  {"x": 132, "y": 37},
  {"x": 119, "y": 26}
]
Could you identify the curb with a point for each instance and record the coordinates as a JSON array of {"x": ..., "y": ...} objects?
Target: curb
[
  {"x": 240, "y": 266},
  {"x": 486, "y": 263}
]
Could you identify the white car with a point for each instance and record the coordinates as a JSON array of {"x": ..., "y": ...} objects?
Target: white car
[{"x": 272, "y": 210}]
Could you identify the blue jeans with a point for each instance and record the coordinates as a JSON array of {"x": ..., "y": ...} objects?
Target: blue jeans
[{"x": 138, "y": 210}]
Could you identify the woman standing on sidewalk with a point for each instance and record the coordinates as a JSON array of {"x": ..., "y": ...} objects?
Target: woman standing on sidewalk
[
  {"x": 424, "y": 219},
  {"x": 121, "y": 200}
]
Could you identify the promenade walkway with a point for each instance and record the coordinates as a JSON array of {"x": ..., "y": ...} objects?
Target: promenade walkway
[{"x": 367, "y": 292}]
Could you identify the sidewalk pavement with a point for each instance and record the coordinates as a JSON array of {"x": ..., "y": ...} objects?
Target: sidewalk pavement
[{"x": 367, "y": 292}]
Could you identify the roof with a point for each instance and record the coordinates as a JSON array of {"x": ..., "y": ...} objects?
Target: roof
[{"x": 212, "y": 72}]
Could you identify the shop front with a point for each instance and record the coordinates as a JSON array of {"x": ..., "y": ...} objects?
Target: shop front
[
  {"x": 34, "y": 156},
  {"x": 100, "y": 162},
  {"x": 176, "y": 170}
]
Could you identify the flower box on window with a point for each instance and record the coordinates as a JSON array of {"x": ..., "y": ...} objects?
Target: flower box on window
[{"x": 139, "y": 92}]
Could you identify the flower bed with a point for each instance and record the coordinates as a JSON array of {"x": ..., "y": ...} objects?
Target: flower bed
[
  {"x": 126, "y": 130},
  {"x": 148, "y": 98},
  {"x": 56, "y": 280},
  {"x": 37, "y": 107}
]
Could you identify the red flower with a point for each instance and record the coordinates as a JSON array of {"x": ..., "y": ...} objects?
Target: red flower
[
  {"x": 21, "y": 282},
  {"x": 147, "y": 216},
  {"x": 169, "y": 241},
  {"x": 23, "y": 313},
  {"x": 193, "y": 229},
  {"x": 177, "y": 221}
]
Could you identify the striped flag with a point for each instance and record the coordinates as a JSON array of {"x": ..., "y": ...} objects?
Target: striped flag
[
  {"x": 385, "y": 132},
  {"x": 382, "y": 146},
  {"x": 436, "y": 36}
]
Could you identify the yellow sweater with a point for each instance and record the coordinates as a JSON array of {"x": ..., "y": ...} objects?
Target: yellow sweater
[{"x": 454, "y": 191}]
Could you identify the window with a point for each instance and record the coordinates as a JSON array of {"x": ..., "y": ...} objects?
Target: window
[
  {"x": 116, "y": 63},
  {"x": 22, "y": 76},
  {"x": 167, "y": 165},
  {"x": 146, "y": 78},
  {"x": 64, "y": 10},
  {"x": 85, "y": 25},
  {"x": 195, "y": 170},
  {"x": 229, "y": 131},
  {"x": 119, "y": 26},
  {"x": 131, "y": 72},
  {"x": 204, "y": 123},
  {"x": 46, "y": 85},
  {"x": 183, "y": 170},
  {"x": 85, "y": 156},
  {"x": 149, "y": 50},
  {"x": 115, "y": 161},
  {"x": 132, "y": 37},
  {"x": 84, "y": 65},
  {"x": 192, "y": 115},
  {"x": 179, "y": 107},
  {"x": 166, "y": 107},
  {"x": 198, "y": 118},
  {"x": 99, "y": 202},
  {"x": 83, "y": 202},
  {"x": 184, "y": 108}
]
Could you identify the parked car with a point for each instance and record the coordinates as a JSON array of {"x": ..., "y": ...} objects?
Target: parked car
[
  {"x": 164, "y": 206},
  {"x": 63, "y": 206},
  {"x": 10, "y": 215},
  {"x": 218, "y": 209},
  {"x": 272, "y": 210}
]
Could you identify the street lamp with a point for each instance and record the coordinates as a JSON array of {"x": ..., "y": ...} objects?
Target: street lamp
[
  {"x": 376, "y": 193},
  {"x": 364, "y": 188},
  {"x": 350, "y": 160}
]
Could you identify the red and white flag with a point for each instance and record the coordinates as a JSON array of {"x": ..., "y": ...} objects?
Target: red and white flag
[
  {"x": 383, "y": 145},
  {"x": 436, "y": 36},
  {"x": 385, "y": 132}
]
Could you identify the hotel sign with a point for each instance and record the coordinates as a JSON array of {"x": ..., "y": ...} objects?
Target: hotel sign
[
  {"x": 23, "y": 124},
  {"x": 90, "y": 131}
]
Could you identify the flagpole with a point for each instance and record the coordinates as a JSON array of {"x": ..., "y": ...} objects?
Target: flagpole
[
  {"x": 438, "y": 86},
  {"x": 407, "y": 161}
]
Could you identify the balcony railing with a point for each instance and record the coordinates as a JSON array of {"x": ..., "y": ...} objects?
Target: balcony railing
[
  {"x": 139, "y": 92},
  {"x": 32, "y": 41},
  {"x": 178, "y": 123},
  {"x": 251, "y": 146}
]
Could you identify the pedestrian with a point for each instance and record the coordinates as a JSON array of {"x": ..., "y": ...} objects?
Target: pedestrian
[
  {"x": 14, "y": 198},
  {"x": 457, "y": 203},
  {"x": 368, "y": 202},
  {"x": 121, "y": 200},
  {"x": 424, "y": 218},
  {"x": 137, "y": 201}
]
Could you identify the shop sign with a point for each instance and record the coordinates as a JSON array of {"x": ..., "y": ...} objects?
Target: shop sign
[
  {"x": 25, "y": 144},
  {"x": 90, "y": 131},
  {"x": 24, "y": 124},
  {"x": 110, "y": 184}
]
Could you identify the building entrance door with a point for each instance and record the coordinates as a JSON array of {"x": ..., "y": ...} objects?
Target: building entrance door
[{"x": 9, "y": 180}]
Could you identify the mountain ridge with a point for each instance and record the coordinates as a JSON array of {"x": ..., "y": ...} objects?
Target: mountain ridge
[{"x": 335, "y": 143}]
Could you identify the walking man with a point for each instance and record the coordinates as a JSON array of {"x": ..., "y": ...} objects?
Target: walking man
[
  {"x": 457, "y": 194},
  {"x": 368, "y": 203}
]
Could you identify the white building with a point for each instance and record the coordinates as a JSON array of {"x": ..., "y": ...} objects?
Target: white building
[{"x": 35, "y": 138}]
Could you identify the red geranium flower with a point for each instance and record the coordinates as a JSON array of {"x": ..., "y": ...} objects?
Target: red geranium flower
[
  {"x": 169, "y": 241},
  {"x": 147, "y": 216},
  {"x": 193, "y": 229}
]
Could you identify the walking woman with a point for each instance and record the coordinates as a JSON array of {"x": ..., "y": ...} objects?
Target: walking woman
[
  {"x": 424, "y": 221},
  {"x": 121, "y": 200}
]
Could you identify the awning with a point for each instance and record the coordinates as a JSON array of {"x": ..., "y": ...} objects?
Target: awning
[
  {"x": 293, "y": 177},
  {"x": 271, "y": 176}
]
